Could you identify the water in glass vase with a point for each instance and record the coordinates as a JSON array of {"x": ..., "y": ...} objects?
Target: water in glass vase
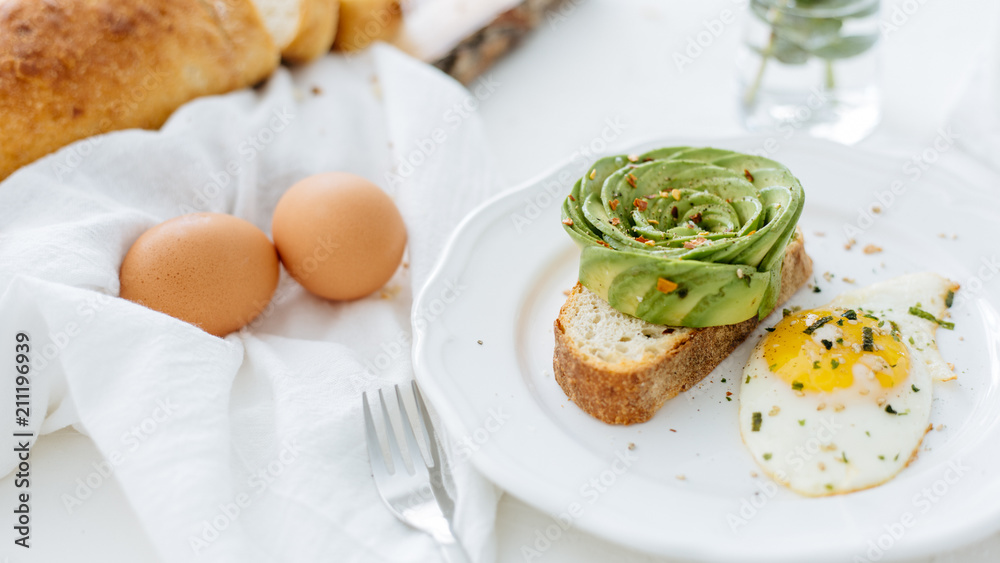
[{"x": 811, "y": 65}]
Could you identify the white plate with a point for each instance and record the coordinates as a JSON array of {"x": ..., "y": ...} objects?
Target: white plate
[{"x": 690, "y": 490}]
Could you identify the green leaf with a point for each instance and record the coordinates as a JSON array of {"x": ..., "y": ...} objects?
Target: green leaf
[
  {"x": 845, "y": 47},
  {"x": 808, "y": 33},
  {"x": 788, "y": 52}
]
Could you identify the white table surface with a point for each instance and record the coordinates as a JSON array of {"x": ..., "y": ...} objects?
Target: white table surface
[{"x": 605, "y": 59}]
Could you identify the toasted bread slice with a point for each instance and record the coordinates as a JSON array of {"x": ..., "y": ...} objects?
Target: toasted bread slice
[{"x": 621, "y": 369}]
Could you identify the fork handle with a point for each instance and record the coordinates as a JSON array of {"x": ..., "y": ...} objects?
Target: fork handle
[{"x": 454, "y": 553}]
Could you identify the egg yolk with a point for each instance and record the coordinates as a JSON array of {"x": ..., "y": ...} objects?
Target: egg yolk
[{"x": 822, "y": 349}]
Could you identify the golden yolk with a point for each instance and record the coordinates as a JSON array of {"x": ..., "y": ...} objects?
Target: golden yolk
[{"x": 803, "y": 360}]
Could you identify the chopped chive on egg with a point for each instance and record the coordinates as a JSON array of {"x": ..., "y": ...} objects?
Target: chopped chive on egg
[{"x": 852, "y": 369}]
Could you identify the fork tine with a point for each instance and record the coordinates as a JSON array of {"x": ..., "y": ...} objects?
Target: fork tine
[
  {"x": 411, "y": 439},
  {"x": 428, "y": 426},
  {"x": 398, "y": 460},
  {"x": 375, "y": 455}
]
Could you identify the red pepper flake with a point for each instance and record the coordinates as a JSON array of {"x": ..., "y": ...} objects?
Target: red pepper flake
[
  {"x": 647, "y": 159},
  {"x": 602, "y": 243},
  {"x": 696, "y": 218},
  {"x": 695, "y": 243},
  {"x": 630, "y": 178},
  {"x": 640, "y": 204},
  {"x": 613, "y": 204},
  {"x": 571, "y": 198},
  {"x": 616, "y": 221},
  {"x": 642, "y": 239},
  {"x": 753, "y": 232},
  {"x": 674, "y": 213},
  {"x": 568, "y": 222},
  {"x": 664, "y": 285},
  {"x": 729, "y": 393},
  {"x": 748, "y": 175}
]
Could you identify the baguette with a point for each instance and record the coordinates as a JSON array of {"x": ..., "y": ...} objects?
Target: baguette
[
  {"x": 70, "y": 69},
  {"x": 302, "y": 29},
  {"x": 317, "y": 31},
  {"x": 363, "y": 22},
  {"x": 621, "y": 370}
]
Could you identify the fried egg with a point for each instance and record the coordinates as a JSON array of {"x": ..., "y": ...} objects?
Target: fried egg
[{"x": 838, "y": 399}]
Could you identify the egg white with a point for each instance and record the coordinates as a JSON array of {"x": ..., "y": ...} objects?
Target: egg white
[{"x": 831, "y": 442}]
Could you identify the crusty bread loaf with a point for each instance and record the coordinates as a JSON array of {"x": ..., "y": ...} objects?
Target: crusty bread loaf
[
  {"x": 70, "y": 69},
  {"x": 302, "y": 29},
  {"x": 317, "y": 30},
  {"x": 621, "y": 369},
  {"x": 365, "y": 21}
]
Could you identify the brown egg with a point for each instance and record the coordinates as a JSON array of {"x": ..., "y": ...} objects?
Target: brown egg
[
  {"x": 339, "y": 235},
  {"x": 215, "y": 271}
]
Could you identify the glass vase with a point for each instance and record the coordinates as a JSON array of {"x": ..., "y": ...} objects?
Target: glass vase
[{"x": 811, "y": 65}]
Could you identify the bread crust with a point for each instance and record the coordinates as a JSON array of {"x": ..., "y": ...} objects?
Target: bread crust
[
  {"x": 363, "y": 22},
  {"x": 317, "y": 30},
  {"x": 70, "y": 69},
  {"x": 631, "y": 392}
]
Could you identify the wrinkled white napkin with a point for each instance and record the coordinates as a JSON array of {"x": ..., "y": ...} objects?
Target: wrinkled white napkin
[{"x": 248, "y": 448}]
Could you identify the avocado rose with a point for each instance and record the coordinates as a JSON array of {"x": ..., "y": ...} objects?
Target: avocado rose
[{"x": 684, "y": 236}]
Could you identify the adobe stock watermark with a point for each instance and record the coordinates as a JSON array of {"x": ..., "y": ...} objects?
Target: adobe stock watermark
[
  {"x": 913, "y": 168},
  {"x": 466, "y": 446},
  {"x": 126, "y": 103},
  {"x": 785, "y": 130},
  {"x": 921, "y": 503},
  {"x": 229, "y": 512},
  {"x": 589, "y": 493},
  {"x": 378, "y": 22},
  {"x": 458, "y": 113},
  {"x": 987, "y": 270},
  {"x": 900, "y": 16},
  {"x": 248, "y": 149},
  {"x": 556, "y": 190},
  {"x": 561, "y": 12},
  {"x": 751, "y": 506},
  {"x": 86, "y": 311},
  {"x": 459, "y": 452},
  {"x": 131, "y": 440},
  {"x": 393, "y": 349},
  {"x": 712, "y": 29}
]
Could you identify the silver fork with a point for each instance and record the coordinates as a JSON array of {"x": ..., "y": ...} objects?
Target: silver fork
[{"x": 413, "y": 490}]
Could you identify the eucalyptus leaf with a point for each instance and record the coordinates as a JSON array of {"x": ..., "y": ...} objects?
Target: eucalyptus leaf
[
  {"x": 828, "y": 6},
  {"x": 808, "y": 33},
  {"x": 801, "y": 29},
  {"x": 845, "y": 47},
  {"x": 788, "y": 52},
  {"x": 869, "y": 11}
]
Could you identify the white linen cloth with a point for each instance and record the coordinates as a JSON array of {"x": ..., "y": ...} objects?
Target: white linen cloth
[{"x": 248, "y": 448}]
